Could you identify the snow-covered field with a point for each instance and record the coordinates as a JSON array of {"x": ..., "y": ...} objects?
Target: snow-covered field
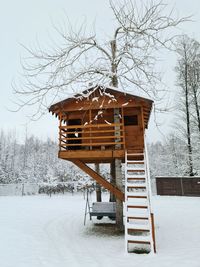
[{"x": 37, "y": 231}]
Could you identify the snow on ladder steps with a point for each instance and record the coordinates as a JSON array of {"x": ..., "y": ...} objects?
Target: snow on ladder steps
[
  {"x": 136, "y": 175},
  {"x": 137, "y": 194},
  {"x": 134, "y": 226},
  {"x": 137, "y": 212},
  {"x": 136, "y": 185},
  {"x": 134, "y": 182},
  {"x": 141, "y": 238},
  {"x": 137, "y": 201}
]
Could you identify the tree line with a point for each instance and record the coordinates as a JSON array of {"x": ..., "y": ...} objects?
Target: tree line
[
  {"x": 170, "y": 158},
  {"x": 188, "y": 99},
  {"x": 31, "y": 160},
  {"x": 35, "y": 161}
]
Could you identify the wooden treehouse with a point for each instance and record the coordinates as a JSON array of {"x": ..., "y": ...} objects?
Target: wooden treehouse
[{"x": 101, "y": 125}]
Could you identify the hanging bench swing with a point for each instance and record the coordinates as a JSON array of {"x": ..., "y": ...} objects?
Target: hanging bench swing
[{"x": 100, "y": 209}]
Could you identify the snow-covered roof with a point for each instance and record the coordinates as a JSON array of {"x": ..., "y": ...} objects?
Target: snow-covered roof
[{"x": 100, "y": 97}]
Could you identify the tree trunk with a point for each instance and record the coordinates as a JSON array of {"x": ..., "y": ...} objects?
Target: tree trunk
[
  {"x": 118, "y": 175},
  {"x": 119, "y": 203},
  {"x": 112, "y": 180},
  {"x": 117, "y": 162},
  {"x": 98, "y": 186},
  {"x": 191, "y": 173},
  {"x": 196, "y": 106}
]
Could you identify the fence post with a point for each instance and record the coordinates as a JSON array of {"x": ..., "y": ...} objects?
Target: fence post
[{"x": 22, "y": 189}]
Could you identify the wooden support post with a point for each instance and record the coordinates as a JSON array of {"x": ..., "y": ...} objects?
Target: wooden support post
[
  {"x": 112, "y": 179},
  {"x": 119, "y": 202},
  {"x": 98, "y": 186},
  {"x": 153, "y": 232},
  {"x": 97, "y": 177}
]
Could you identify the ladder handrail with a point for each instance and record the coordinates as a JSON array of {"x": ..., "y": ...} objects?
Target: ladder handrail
[
  {"x": 148, "y": 177},
  {"x": 148, "y": 173}
]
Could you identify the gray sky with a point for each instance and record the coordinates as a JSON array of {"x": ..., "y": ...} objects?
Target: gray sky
[{"x": 25, "y": 21}]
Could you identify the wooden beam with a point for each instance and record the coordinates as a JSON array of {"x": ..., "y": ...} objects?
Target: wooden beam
[
  {"x": 95, "y": 144},
  {"x": 92, "y": 137},
  {"x": 91, "y": 156},
  {"x": 92, "y": 125},
  {"x": 99, "y": 179},
  {"x": 88, "y": 132}
]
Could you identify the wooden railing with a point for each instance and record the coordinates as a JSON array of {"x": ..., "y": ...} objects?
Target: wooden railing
[{"x": 92, "y": 136}]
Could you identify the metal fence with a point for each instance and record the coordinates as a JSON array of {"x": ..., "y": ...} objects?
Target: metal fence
[
  {"x": 19, "y": 189},
  {"x": 24, "y": 189}
]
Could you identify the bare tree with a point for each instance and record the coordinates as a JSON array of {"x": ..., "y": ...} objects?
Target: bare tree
[
  {"x": 186, "y": 82},
  {"x": 194, "y": 78},
  {"x": 126, "y": 59}
]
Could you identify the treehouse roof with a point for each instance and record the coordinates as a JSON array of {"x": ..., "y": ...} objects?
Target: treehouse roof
[{"x": 99, "y": 97}]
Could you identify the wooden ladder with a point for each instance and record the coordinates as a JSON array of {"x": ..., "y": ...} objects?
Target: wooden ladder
[{"x": 139, "y": 221}]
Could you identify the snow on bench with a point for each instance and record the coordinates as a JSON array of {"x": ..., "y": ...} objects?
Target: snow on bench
[{"x": 103, "y": 209}]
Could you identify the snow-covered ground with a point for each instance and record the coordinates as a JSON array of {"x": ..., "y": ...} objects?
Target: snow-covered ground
[{"x": 37, "y": 231}]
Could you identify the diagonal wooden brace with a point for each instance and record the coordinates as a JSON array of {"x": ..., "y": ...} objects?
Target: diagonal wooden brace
[{"x": 99, "y": 179}]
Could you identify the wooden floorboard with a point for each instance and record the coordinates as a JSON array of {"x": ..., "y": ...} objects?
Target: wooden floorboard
[{"x": 92, "y": 156}]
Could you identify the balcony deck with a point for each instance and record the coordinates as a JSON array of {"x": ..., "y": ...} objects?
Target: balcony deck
[
  {"x": 92, "y": 156},
  {"x": 92, "y": 143}
]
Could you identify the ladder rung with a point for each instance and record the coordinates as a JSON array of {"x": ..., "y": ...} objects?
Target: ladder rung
[
  {"x": 136, "y": 194},
  {"x": 135, "y": 176},
  {"x": 141, "y": 186},
  {"x": 137, "y": 202},
  {"x": 131, "y": 169},
  {"x": 137, "y": 212},
  {"x": 136, "y": 179},
  {"x": 137, "y": 207},
  {"x": 138, "y": 239},
  {"x": 141, "y": 213},
  {"x": 134, "y": 226},
  {"x": 139, "y": 242},
  {"x": 135, "y": 154},
  {"x": 133, "y": 195},
  {"x": 135, "y": 161},
  {"x": 137, "y": 218},
  {"x": 135, "y": 182}
]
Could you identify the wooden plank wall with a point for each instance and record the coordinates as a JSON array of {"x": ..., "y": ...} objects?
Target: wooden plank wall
[
  {"x": 178, "y": 186},
  {"x": 134, "y": 136}
]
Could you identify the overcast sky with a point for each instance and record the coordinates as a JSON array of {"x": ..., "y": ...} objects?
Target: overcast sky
[{"x": 25, "y": 21}]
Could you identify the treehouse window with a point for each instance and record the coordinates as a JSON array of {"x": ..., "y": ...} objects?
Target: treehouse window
[
  {"x": 74, "y": 134},
  {"x": 74, "y": 122},
  {"x": 130, "y": 120}
]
